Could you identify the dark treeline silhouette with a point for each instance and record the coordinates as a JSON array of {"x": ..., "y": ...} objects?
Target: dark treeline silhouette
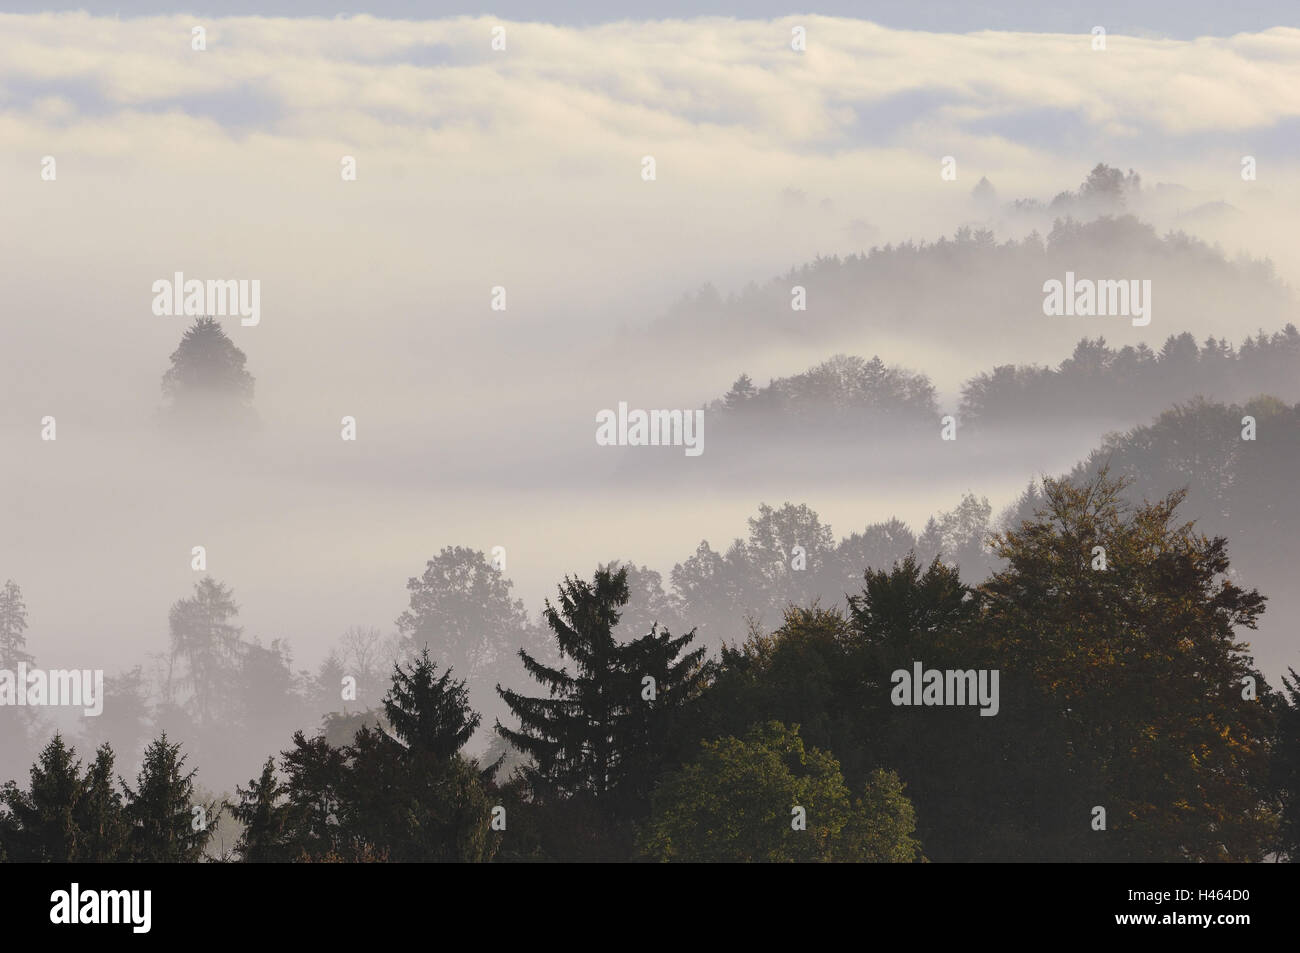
[
  {"x": 846, "y": 394},
  {"x": 1098, "y": 381},
  {"x": 1122, "y": 688}
]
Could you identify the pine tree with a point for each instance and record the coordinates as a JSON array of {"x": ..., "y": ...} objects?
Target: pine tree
[
  {"x": 100, "y": 815},
  {"x": 165, "y": 827},
  {"x": 428, "y": 712},
  {"x": 586, "y": 737},
  {"x": 44, "y": 818},
  {"x": 264, "y": 818}
]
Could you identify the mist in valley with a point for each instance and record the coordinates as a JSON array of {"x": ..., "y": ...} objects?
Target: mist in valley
[{"x": 476, "y": 482}]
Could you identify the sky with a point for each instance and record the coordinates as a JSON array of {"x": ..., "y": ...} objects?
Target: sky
[{"x": 1181, "y": 19}]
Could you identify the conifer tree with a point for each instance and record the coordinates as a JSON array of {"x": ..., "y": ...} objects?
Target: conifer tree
[
  {"x": 586, "y": 736},
  {"x": 428, "y": 712},
  {"x": 100, "y": 815},
  {"x": 314, "y": 772},
  {"x": 165, "y": 827},
  {"x": 207, "y": 370},
  {"x": 44, "y": 817},
  {"x": 264, "y": 817},
  {"x": 1285, "y": 766}
]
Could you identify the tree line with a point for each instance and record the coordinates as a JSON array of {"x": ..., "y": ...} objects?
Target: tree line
[
  {"x": 1096, "y": 381},
  {"x": 1126, "y": 688}
]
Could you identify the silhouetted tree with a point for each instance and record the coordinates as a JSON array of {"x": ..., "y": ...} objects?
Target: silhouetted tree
[
  {"x": 164, "y": 826},
  {"x": 100, "y": 813},
  {"x": 44, "y": 817},
  {"x": 264, "y": 815},
  {"x": 207, "y": 375},
  {"x": 428, "y": 712}
]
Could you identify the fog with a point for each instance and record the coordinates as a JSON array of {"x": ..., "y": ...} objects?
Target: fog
[{"x": 523, "y": 170}]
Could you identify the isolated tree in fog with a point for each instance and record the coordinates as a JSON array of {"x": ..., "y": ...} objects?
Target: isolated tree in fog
[
  {"x": 13, "y": 625},
  {"x": 207, "y": 370}
]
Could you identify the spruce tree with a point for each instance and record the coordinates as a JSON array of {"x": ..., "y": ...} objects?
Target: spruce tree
[
  {"x": 44, "y": 818},
  {"x": 314, "y": 771},
  {"x": 1285, "y": 766},
  {"x": 264, "y": 817},
  {"x": 207, "y": 380},
  {"x": 160, "y": 808},
  {"x": 100, "y": 815},
  {"x": 428, "y": 712},
  {"x": 587, "y": 736}
]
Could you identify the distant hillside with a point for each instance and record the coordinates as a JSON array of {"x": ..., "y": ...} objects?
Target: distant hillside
[
  {"x": 1096, "y": 382},
  {"x": 971, "y": 294}
]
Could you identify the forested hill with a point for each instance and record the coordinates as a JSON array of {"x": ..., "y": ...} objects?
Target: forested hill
[
  {"x": 971, "y": 293},
  {"x": 1096, "y": 382}
]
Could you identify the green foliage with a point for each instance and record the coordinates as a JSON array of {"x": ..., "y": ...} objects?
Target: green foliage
[
  {"x": 1140, "y": 668},
  {"x": 44, "y": 817},
  {"x": 407, "y": 797},
  {"x": 160, "y": 809},
  {"x": 100, "y": 812},
  {"x": 585, "y": 736},
  {"x": 735, "y": 803}
]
